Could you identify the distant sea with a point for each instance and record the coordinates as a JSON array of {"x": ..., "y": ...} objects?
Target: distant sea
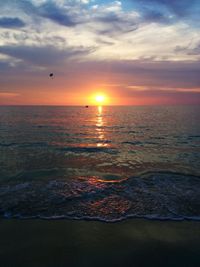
[{"x": 100, "y": 163}]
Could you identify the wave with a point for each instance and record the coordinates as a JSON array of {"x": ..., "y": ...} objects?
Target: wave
[
  {"x": 60, "y": 148},
  {"x": 25, "y": 144},
  {"x": 89, "y": 150},
  {"x": 100, "y": 219},
  {"x": 109, "y": 198}
]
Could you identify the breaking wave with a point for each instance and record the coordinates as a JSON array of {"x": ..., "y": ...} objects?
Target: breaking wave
[{"x": 156, "y": 195}]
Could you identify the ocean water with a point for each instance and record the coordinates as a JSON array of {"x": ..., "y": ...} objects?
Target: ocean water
[{"x": 100, "y": 163}]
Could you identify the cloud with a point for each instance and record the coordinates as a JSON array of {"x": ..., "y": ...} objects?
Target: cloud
[
  {"x": 8, "y": 94},
  {"x": 112, "y": 20},
  {"x": 147, "y": 50},
  {"x": 60, "y": 15},
  {"x": 168, "y": 11},
  {"x": 179, "y": 8},
  {"x": 194, "y": 51},
  {"x": 6, "y": 22},
  {"x": 169, "y": 81},
  {"x": 43, "y": 56},
  {"x": 56, "y": 11},
  {"x": 156, "y": 16},
  {"x": 65, "y": 30},
  {"x": 151, "y": 74}
]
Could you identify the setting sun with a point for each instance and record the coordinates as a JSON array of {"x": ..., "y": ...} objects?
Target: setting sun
[{"x": 100, "y": 98}]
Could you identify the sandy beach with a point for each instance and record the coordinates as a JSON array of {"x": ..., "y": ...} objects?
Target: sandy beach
[{"x": 42, "y": 243}]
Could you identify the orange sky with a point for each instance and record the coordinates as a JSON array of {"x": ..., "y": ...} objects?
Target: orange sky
[{"x": 81, "y": 86}]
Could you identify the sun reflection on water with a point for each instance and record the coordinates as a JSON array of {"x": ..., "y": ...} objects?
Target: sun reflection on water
[{"x": 100, "y": 129}]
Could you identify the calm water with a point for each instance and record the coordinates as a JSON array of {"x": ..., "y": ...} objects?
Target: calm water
[{"x": 105, "y": 163}]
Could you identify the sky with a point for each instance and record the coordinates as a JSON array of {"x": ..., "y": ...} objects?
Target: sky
[{"x": 135, "y": 52}]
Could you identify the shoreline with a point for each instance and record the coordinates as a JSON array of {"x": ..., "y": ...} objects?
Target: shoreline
[
  {"x": 133, "y": 242},
  {"x": 97, "y": 219}
]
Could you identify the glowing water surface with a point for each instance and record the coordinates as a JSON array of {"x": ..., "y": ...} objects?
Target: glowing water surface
[{"x": 105, "y": 163}]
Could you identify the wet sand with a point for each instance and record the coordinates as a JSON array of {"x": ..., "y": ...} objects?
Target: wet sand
[{"x": 137, "y": 243}]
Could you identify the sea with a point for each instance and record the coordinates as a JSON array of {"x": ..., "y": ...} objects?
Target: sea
[{"x": 106, "y": 163}]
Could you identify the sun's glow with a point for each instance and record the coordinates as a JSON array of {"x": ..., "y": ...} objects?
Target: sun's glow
[{"x": 100, "y": 98}]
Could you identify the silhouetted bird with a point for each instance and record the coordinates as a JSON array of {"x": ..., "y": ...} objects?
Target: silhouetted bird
[
  {"x": 87, "y": 106},
  {"x": 51, "y": 75}
]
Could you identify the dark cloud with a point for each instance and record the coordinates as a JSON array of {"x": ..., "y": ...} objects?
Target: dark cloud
[
  {"x": 114, "y": 24},
  {"x": 195, "y": 51},
  {"x": 4, "y": 66},
  {"x": 116, "y": 30},
  {"x": 173, "y": 95},
  {"x": 6, "y": 22},
  {"x": 72, "y": 14},
  {"x": 62, "y": 15},
  {"x": 109, "y": 18},
  {"x": 156, "y": 16},
  {"x": 59, "y": 15},
  {"x": 43, "y": 56},
  {"x": 178, "y": 7},
  {"x": 168, "y": 11},
  {"x": 159, "y": 74},
  {"x": 13, "y": 5},
  {"x": 27, "y": 6},
  {"x": 139, "y": 72}
]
